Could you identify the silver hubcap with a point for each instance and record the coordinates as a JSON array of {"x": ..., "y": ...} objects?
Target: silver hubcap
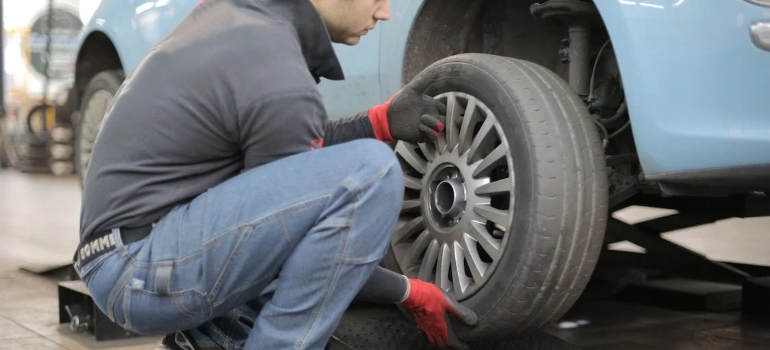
[
  {"x": 93, "y": 115},
  {"x": 458, "y": 200},
  {"x": 448, "y": 196}
]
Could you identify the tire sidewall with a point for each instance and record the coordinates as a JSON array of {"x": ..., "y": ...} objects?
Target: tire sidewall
[{"x": 109, "y": 81}]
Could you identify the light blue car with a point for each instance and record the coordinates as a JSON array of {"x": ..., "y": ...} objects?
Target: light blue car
[{"x": 559, "y": 113}]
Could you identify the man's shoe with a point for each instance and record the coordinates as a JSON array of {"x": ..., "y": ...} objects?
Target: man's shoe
[
  {"x": 188, "y": 340},
  {"x": 168, "y": 343}
]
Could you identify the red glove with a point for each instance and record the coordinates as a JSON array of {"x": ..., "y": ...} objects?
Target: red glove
[
  {"x": 428, "y": 305},
  {"x": 410, "y": 115}
]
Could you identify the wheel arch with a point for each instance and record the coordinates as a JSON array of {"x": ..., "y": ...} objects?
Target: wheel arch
[
  {"x": 443, "y": 28},
  {"x": 97, "y": 54},
  {"x": 431, "y": 24}
]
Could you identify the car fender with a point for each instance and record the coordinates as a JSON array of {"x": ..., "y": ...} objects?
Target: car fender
[
  {"x": 690, "y": 74},
  {"x": 107, "y": 20},
  {"x": 133, "y": 36}
]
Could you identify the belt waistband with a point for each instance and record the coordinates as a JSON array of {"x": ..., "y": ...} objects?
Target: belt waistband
[{"x": 101, "y": 243}]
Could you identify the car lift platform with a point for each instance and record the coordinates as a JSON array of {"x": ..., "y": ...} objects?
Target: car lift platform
[{"x": 386, "y": 328}]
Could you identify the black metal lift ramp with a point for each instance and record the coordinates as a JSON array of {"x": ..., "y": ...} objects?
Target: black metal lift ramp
[
  {"x": 77, "y": 308},
  {"x": 371, "y": 327},
  {"x": 672, "y": 276}
]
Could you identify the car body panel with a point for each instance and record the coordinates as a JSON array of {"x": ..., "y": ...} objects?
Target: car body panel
[
  {"x": 696, "y": 86},
  {"x": 395, "y": 35},
  {"x": 695, "y": 83},
  {"x": 360, "y": 89}
]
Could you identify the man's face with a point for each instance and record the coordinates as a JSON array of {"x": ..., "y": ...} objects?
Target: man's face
[{"x": 348, "y": 20}]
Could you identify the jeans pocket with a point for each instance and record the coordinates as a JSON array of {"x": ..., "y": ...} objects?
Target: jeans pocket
[{"x": 148, "y": 312}]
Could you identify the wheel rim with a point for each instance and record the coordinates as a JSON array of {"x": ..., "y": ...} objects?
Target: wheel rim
[
  {"x": 93, "y": 115},
  {"x": 458, "y": 201}
]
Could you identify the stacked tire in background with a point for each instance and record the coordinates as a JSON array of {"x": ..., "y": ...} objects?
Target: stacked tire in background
[
  {"x": 36, "y": 148},
  {"x": 62, "y": 150},
  {"x": 33, "y": 153}
]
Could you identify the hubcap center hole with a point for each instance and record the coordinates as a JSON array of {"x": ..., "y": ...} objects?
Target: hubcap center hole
[{"x": 450, "y": 197}]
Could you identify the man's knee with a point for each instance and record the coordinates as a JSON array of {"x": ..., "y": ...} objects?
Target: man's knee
[
  {"x": 379, "y": 157},
  {"x": 371, "y": 151}
]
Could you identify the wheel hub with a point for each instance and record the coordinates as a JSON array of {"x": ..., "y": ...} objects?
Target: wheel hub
[{"x": 448, "y": 196}]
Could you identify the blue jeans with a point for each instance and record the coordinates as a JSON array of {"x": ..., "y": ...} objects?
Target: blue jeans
[{"x": 310, "y": 227}]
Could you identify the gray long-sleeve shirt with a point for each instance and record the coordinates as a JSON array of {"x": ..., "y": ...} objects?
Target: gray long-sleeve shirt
[{"x": 232, "y": 87}]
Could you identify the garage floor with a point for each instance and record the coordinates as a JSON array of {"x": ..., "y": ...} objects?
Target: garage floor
[{"x": 39, "y": 222}]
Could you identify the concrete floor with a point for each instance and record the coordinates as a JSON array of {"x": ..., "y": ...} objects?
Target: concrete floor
[{"x": 39, "y": 218}]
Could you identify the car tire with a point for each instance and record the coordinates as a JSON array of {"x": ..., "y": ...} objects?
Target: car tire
[
  {"x": 96, "y": 99},
  {"x": 547, "y": 219}
]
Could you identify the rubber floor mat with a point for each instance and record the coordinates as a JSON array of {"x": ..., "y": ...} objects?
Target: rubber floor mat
[{"x": 384, "y": 328}]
